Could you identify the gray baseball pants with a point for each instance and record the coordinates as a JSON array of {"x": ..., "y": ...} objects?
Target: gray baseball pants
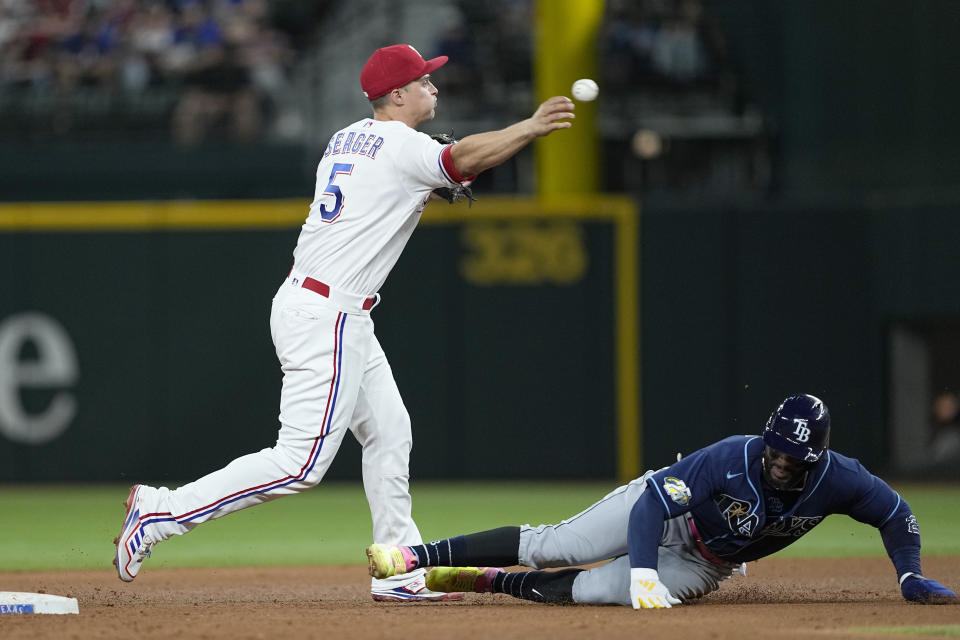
[{"x": 599, "y": 533}]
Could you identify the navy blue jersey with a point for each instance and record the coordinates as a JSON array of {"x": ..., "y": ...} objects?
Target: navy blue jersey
[{"x": 740, "y": 518}]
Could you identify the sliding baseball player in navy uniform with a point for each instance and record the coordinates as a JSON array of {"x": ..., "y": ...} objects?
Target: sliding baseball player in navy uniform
[{"x": 676, "y": 533}]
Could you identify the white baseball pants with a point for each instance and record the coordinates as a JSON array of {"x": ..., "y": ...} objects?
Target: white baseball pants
[{"x": 335, "y": 378}]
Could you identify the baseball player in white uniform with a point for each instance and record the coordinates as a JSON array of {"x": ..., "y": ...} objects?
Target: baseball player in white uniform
[{"x": 373, "y": 182}]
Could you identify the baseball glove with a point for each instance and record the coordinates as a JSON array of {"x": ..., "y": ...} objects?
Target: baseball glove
[{"x": 459, "y": 192}]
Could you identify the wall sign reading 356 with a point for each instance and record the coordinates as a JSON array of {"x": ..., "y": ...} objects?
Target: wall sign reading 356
[{"x": 523, "y": 253}]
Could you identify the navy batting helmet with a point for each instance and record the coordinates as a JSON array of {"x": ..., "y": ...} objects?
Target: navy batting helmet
[{"x": 799, "y": 427}]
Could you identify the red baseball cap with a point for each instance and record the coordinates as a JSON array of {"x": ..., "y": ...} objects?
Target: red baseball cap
[{"x": 392, "y": 67}]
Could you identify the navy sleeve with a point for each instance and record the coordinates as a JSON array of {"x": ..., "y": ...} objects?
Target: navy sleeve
[
  {"x": 876, "y": 504},
  {"x": 645, "y": 530},
  {"x": 691, "y": 480},
  {"x": 675, "y": 490},
  {"x": 901, "y": 539}
]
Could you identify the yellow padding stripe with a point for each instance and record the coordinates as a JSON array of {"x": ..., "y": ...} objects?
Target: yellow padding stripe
[
  {"x": 259, "y": 214},
  {"x": 170, "y": 214}
]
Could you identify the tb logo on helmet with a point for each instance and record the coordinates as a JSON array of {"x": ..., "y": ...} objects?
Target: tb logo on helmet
[{"x": 799, "y": 427}]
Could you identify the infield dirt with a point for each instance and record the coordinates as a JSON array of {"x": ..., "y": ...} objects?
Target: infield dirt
[{"x": 779, "y": 598}]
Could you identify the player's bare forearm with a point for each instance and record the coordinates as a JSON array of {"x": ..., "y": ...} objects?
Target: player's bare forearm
[{"x": 482, "y": 151}]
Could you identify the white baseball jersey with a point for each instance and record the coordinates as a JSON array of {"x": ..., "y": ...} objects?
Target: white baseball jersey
[{"x": 372, "y": 184}]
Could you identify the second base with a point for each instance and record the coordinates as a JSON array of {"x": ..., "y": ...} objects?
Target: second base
[{"x": 19, "y": 602}]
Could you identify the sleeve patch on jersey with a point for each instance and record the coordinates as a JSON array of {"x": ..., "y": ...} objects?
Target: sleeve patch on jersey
[
  {"x": 677, "y": 490},
  {"x": 449, "y": 169},
  {"x": 912, "y": 526}
]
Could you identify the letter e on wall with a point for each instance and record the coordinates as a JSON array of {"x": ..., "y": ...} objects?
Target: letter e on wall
[{"x": 54, "y": 367}]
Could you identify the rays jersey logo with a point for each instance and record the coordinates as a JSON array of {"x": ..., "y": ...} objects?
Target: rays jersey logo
[
  {"x": 912, "y": 526},
  {"x": 677, "y": 490},
  {"x": 738, "y": 514},
  {"x": 794, "y": 527}
]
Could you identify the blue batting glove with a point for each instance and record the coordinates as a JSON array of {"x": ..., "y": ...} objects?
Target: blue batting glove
[{"x": 918, "y": 589}]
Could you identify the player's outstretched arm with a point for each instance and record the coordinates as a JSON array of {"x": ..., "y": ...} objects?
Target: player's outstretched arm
[
  {"x": 900, "y": 534},
  {"x": 482, "y": 151},
  {"x": 643, "y": 536}
]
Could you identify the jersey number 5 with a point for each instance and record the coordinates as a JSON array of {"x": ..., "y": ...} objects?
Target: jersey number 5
[{"x": 329, "y": 215}]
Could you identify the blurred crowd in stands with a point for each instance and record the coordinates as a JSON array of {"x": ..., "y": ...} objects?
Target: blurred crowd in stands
[
  {"x": 643, "y": 45},
  {"x": 220, "y": 59},
  {"x": 490, "y": 46},
  {"x": 646, "y": 42},
  {"x": 199, "y": 71},
  {"x": 231, "y": 58}
]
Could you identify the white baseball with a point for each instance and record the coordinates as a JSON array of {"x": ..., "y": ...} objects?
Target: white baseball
[{"x": 585, "y": 90}]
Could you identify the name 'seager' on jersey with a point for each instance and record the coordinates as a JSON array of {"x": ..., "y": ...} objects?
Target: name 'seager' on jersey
[{"x": 363, "y": 144}]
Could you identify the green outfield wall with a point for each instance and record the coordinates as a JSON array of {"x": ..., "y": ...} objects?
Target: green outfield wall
[
  {"x": 529, "y": 339},
  {"x": 135, "y": 343},
  {"x": 745, "y": 304}
]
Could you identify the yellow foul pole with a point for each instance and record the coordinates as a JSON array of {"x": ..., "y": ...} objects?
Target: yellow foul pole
[
  {"x": 568, "y": 164},
  {"x": 565, "y": 50}
]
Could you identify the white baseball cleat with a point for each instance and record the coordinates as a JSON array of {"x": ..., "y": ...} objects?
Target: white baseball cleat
[
  {"x": 413, "y": 591},
  {"x": 132, "y": 544}
]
